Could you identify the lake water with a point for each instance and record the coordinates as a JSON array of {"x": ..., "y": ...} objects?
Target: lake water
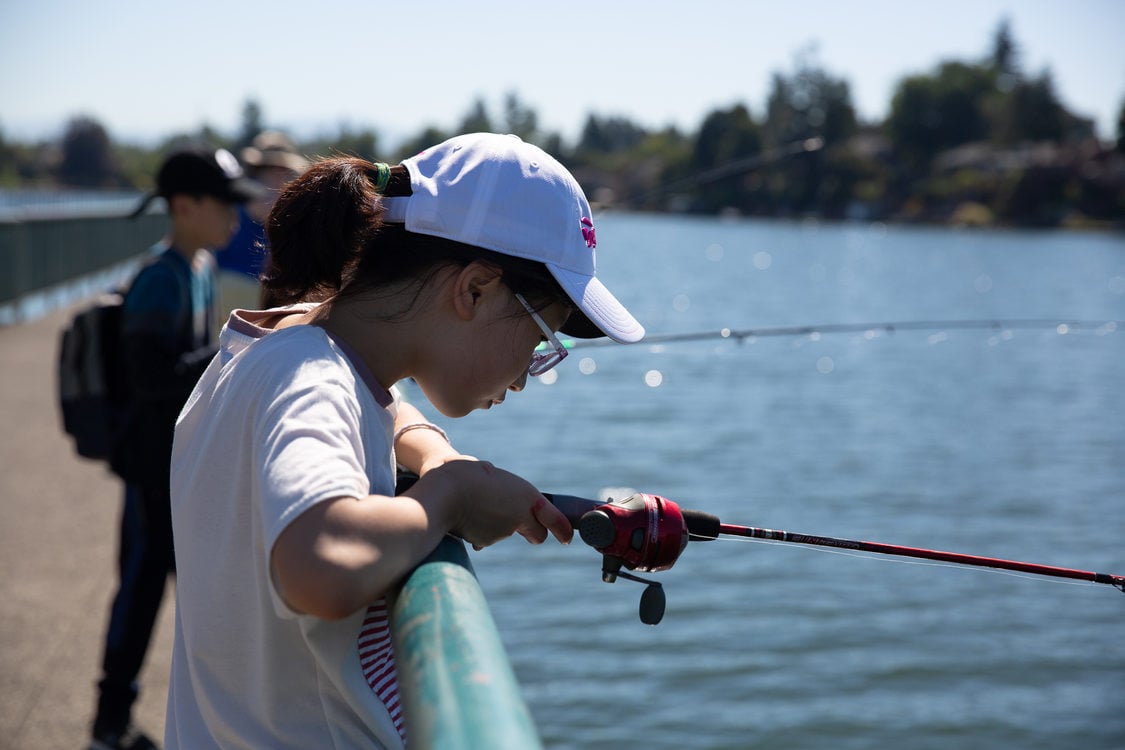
[{"x": 1006, "y": 442}]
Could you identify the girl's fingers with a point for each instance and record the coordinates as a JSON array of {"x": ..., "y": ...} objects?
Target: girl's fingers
[
  {"x": 553, "y": 520},
  {"x": 534, "y": 533}
]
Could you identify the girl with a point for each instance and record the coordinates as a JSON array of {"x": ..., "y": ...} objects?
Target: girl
[{"x": 450, "y": 269}]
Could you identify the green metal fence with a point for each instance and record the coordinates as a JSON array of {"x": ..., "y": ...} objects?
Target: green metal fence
[
  {"x": 43, "y": 249},
  {"x": 456, "y": 684}
]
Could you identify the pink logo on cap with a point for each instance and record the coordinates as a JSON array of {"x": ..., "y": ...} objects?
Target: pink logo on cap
[{"x": 588, "y": 233}]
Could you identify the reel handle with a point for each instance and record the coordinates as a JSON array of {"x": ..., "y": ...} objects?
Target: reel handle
[{"x": 641, "y": 532}]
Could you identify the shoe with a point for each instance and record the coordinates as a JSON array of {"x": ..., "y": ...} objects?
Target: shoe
[{"x": 131, "y": 739}]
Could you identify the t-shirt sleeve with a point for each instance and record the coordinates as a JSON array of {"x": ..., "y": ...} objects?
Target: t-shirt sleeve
[{"x": 311, "y": 451}]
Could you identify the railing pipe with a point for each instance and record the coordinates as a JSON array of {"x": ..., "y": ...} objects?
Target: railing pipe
[{"x": 456, "y": 684}]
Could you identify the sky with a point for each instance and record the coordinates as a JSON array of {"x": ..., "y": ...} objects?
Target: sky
[{"x": 150, "y": 70}]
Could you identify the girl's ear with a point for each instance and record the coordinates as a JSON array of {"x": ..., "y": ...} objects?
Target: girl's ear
[{"x": 473, "y": 285}]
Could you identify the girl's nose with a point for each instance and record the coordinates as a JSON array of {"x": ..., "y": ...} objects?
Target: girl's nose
[{"x": 517, "y": 386}]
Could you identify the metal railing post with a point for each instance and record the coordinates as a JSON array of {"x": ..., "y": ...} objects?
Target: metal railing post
[{"x": 456, "y": 684}]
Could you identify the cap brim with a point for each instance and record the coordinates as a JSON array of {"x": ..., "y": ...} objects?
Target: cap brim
[
  {"x": 601, "y": 313},
  {"x": 143, "y": 205}
]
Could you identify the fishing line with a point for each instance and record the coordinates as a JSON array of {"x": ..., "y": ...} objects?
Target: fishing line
[{"x": 1059, "y": 325}]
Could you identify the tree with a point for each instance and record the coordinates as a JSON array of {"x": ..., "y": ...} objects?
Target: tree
[
  {"x": 363, "y": 142},
  {"x": 1030, "y": 111},
  {"x": 430, "y": 136},
  {"x": 1121, "y": 128},
  {"x": 7, "y": 157},
  {"x": 251, "y": 124},
  {"x": 1020, "y": 109},
  {"x": 809, "y": 103},
  {"x": 519, "y": 118},
  {"x": 608, "y": 160},
  {"x": 930, "y": 113},
  {"x": 607, "y": 135},
  {"x": 87, "y": 156},
  {"x": 1004, "y": 58},
  {"x": 725, "y": 138},
  {"x": 476, "y": 120}
]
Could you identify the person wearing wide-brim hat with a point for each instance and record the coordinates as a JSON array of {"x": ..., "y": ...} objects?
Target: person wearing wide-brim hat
[
  {"x": 271, "y": 159},
  {"x": 273, "y": 150}
]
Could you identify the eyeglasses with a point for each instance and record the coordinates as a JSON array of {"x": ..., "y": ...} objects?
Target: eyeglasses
[{"x": 555, "y": 352}]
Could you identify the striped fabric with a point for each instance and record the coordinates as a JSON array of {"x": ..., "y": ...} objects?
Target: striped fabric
[{"x": 377, "y": 658}]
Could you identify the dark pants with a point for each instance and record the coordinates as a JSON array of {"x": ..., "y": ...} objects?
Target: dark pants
[{"x": 145, "y": 559}]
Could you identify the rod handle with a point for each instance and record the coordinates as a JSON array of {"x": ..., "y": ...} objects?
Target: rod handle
[{"x": 573, "y": 507}]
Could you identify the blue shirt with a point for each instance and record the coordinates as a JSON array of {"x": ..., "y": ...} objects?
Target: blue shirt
[
  {"x": 167, "y": 334},
  {"x": 247, "y": 251}
]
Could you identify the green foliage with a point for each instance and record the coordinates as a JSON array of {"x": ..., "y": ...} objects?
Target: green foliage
[
  {"x": 621, "y": 163},
  {"x": 87, "y": 156},
  {"x": 1004, "y": 59},
  {"x": 477, "y": 119},
  {"x": 608, "y": 135},
  {"x": 807, "y": 104},
  {"x": 725, "y": 137},
  {"x": 930, "y": 113},
  {"x": 520, "y": 119},
  {"x": 1121, "y": 128},
  {"x": 428, "y": 137},
  {"x": 1027, "y": 110},
  {"x": 362, "y": 142},
  {"x": 251, "y": 124},
  {"x": 969, "y": 141}
]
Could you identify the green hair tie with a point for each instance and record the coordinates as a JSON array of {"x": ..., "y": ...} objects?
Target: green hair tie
[{"x": 383, "y": 177}]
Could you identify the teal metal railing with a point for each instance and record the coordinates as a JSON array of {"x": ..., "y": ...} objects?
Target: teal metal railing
[
  {"x": 456, "y": 684},
  {"x": 44, "y": 246}
]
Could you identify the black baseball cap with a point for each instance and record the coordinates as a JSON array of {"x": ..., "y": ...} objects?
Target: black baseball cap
[{"x": 202, "y": 171}]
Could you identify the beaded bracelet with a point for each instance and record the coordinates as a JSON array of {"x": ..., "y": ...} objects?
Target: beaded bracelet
[{"x": 420, "y": 426}]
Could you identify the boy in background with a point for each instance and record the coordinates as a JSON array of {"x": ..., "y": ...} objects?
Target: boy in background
[{"x": 167, "y": 336}]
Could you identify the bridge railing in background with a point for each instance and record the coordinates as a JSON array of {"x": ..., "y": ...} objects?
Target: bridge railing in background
[
  {"x": 455, "y": 682},
  {"x": 48, "y": 241}
]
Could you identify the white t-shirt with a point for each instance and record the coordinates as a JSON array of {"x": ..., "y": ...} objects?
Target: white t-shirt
[{"x": 275, "y": 425}]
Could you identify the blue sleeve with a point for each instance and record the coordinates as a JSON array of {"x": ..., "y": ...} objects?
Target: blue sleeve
[
  {"x": 155, "y": 305},
  {"x": 162, "y": 363}
]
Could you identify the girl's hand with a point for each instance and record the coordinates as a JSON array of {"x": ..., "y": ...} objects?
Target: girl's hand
[{"x": 493, "y": 504}]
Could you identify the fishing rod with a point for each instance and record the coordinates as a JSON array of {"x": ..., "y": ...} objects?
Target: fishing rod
[
  {"x": 889, "y": 327},
  {"x": 648, "y": 533},
  {"x": 731, "y": 168}
]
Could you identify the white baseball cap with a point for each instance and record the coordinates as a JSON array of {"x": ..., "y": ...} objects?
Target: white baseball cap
[{"x": 505, "y": 195}]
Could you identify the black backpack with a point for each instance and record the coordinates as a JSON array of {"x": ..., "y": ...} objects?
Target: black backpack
[{"x": 93, "y": 386}]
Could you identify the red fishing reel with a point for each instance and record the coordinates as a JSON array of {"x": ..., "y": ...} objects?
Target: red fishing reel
[{"x": 640, "y": 532}]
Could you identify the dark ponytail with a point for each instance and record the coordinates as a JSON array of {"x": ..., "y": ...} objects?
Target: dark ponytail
[{"x": 318, "y": 229}]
